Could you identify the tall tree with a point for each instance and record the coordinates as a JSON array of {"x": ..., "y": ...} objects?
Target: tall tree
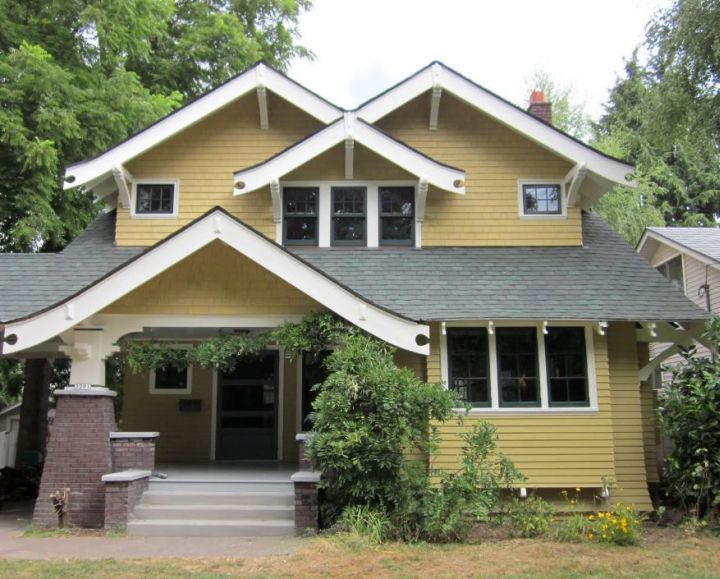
[{"x": 665, "y": 112}]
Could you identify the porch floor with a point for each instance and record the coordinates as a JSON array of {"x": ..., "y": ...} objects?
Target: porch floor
[{"x": 228, "y": 472}]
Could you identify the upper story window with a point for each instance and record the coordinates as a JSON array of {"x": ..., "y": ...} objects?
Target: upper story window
[
  {"x": 300, "y": 215},
  {"x": 541, "y": 199},
  {"x": 673, "y": 270},
  {"x": 349, "y": 215},
  {"x": 520, "y": 368},
  {"x": 156, "y": 198},
  {"x": 397, "y": 215}
]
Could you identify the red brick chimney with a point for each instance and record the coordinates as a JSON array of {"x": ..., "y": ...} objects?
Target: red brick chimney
[{"x": 539, "y": 107}]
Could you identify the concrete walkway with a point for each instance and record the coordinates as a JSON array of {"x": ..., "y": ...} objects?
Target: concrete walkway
[{"x": 15, "y": 517}]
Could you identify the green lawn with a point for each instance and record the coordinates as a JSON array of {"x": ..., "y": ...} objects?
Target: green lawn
[{"x": 663, "y": 554}]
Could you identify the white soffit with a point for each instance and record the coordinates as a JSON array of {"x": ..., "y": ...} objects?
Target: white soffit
[
  {"x": 344, "y": 130},
  {"x": 258, "y": 77},
  {"x": 438, "y": 76},
  {"x": 218, "y": 225}
]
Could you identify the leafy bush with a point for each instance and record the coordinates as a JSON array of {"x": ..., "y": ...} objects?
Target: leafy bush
[
  {"x": 621, "y": 525},
  {"x": 690, "y": 415},
  {"x": 371, "y": 419},
  {"x": 529, "y": 517}
]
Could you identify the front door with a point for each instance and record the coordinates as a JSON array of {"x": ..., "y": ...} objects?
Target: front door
[{"x": 247, "y": 410}]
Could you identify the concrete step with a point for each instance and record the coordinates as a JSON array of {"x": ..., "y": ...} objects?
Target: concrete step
[
  {"x": 205, "y": 528},
  {"x": 193, "y": 497},
  {"x": 249, "y": 486},
  {"x": 214, "y": 513}
]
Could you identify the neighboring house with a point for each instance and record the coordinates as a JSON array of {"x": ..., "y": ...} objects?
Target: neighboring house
[
  {"x": 9, "y": 427},
  {"x": 437, "y": 216}
]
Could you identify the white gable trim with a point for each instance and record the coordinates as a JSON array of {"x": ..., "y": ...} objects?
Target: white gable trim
[
  {"x": 344, "y": 130},
  {"x": 439, "y": 76},
  {"x": 258, "y": 77},
  {"x": 217, "y": 225},
  {"x": 679, "y": 247}
]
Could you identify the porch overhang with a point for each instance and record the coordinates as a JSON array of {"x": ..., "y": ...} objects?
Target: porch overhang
[
  {"x": 350, "y": 130},
  {"x": 216, "y": 225}
]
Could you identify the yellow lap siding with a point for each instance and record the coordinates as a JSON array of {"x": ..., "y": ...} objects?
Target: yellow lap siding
[
  {"x": 494, "y": 158},
  {"x": 204, "y": 158},
  {"x": 215, "y": 280}
]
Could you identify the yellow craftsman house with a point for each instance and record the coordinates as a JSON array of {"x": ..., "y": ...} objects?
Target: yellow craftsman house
[{"x": 437, "y": 216}]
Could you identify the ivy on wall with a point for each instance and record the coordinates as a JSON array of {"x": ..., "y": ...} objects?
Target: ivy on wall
[{"x": 312, "y": 334}]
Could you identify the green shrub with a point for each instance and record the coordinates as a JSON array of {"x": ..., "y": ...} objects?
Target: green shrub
[
  {"x": 530, "y": 517},
  {"x": 690, "y": 415},
  {"x": 363, "y": 520}
]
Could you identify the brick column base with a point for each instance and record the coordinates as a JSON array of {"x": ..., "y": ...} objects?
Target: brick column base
[
  {"x": 78, "y": 456},
  {"x": 122, "y": 493},
  {"x": 307, "y": 503},
  {"x": 133, "y": 450}
]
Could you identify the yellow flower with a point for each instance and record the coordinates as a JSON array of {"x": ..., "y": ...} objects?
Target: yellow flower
[
  {"x": 590, "y": 535},
  {"x": 577, "y": 489},
  {"x": 591, "y": 518},
  {"x": 604, "y": 536},
  {"x": 601, "y": 515}
]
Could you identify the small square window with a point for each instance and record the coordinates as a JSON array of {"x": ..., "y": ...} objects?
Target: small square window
[
  {"x": 170, "y": 380},
  {"x": 541, "y": 199},
  {"x": 155, "y": 199}
]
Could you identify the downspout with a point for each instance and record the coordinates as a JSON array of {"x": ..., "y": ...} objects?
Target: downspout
[{"x": 704, "y": 290}]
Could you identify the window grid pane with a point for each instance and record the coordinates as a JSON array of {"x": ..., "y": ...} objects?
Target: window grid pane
[
  {"x": 397, "y": 215},
  {"x": 541, "y": 199},
  {"x": 517, "y": 366},
  {"x": 566, "y": 366},
  {"x": 155, "y": 198},
  {"x": 348, "y": 215},
  {"x": 469, "y": 368},
  {"x": 300, "y": 209}
]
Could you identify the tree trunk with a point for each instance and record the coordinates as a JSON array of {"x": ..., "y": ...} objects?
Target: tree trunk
[{"x": 32, "y": 434}]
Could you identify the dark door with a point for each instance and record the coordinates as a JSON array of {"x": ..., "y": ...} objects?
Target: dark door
[{"x": 247, "y": 410}]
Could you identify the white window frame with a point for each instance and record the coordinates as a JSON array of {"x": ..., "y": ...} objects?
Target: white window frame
[
  {"x": 372, "y": 216},
  {"x": 675, "y": 255},
  {"x": 175, "y": 391},
  {"x": 544, "y": 407},
  {"x": 155, "y": 181},
  {"x": 541, "y": 181}
]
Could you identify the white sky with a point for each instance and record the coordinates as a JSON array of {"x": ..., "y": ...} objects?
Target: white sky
[{"x": 364, "y": 46}]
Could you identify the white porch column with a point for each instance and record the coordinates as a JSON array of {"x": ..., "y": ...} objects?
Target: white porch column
[{"x": 87, "y": 353}]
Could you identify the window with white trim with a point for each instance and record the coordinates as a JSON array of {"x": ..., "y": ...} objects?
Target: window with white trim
[
  {"x": 300, "y": 215},
  {"x": 397, "y": 215},
  {"x": 349, "y": 215},
  {"x": 520, "y": 367},
  {"x": 155, "y": 198},
  {"x": 541, "y": 199},
  {"x": 171, "y": 380}
]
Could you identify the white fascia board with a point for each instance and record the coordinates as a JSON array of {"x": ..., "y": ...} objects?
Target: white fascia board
[
  {"x": 196, "y": 111},
  {"x": 437, "y": 174},
  {"x": 396, "y": 330},
  {"x": 501, "y": 111},
  {"x": 679, "y": 247}
]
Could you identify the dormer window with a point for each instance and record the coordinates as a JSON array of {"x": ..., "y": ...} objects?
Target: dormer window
[
  {"x": 397, "y": 215},
  {"x": 541, "y": 199},
  {"x": 349, "y": 215},
  {"x": 300, "y": 215},
  {"x": 155, "y": 198}
]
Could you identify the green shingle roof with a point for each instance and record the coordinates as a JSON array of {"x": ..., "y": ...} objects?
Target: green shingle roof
[{"x": 603, "y": 280}]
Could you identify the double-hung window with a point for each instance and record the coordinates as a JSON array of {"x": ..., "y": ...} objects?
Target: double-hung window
[
  {"x": 517, "y": 359},
  {"x": 349, "y": 215},
  {"x": 397, "y": 215},
  {"x": 469, "y": 368},
  {"x": 566, "y": 366},
  {"x": 156, "y": 199},
  {"x": 300, "y": 215},
  {"x": 541, "y": 199}
]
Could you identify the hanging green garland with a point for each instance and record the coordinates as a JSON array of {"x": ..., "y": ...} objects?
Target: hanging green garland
[{"x": 312, "y": 334}]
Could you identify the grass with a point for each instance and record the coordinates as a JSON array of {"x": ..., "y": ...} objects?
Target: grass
[{"x": 664, "y": 553}]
